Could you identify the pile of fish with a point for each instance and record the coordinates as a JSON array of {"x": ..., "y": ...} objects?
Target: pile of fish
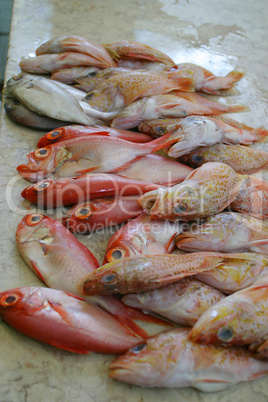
[{"x": 190, "y": 253}]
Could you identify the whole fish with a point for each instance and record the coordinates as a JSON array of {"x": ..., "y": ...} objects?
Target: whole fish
[
  {"x": 239, "y": 319},
  {"x": 175, "y": 104},
  {"x": 91, "y": 80},
  {"x": 227, "y": 232},
  {"x": 252, "y": 198},
  {"x": 102, "y": 212},
  {"x": 242, "y": 159},
  {"x": 206, "y": 191},
  {"x": 142, "y": 236},
  {"x": 47, "y": 98},
  {"x": 120, "y": 90},
  {"x": 141, "y": 273},
  {"x": 172, "y": 360},
  {"x": 76, "y": 157},
  {"x": 66, "y": 132},
  {"x": 156, "y": 169},
  {"x": 48, "y": 63},
  {"x": 24, "y": 116},
  {"x": 239, "y": 272},
  {"x": 62, "y": 262},
  {"x": 134, "y": 50},
  {"x": 69, "y": 191},
  {"x": 205, "y": 81},
  {"x": 74, "y": 43},
  {"x": 202, "y": 131},
  {"x": 182, "y": 302},
  {"x": 66, "y": 322},
  {"x": 70, "y": 75}
]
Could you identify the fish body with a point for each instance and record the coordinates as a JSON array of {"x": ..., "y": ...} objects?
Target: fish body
[
  {"x": 206, "y": 191},
  {"x": 142, "y": 236},
  {"x": 157, "y": 169},
  {"x": 70, "y": 75},
  {"x": 239, "y": 272},
  {"x": 68, "y": 191},
  {"x": 142, "y": 64},
  {"x": 120, "y": 90},
  {"x": 227, "y": 232},
  {"x": 91, "y": 80},
  {"x": 66, "y": 132},
  {"x": 242, "y": 159},
  {"x": 172, "y": 105},
  {"x": 82, "y": 155},
  {"x": 102, "y": 212},
  {"x": 182, "y": 302},
  {"x": 100, "y": 57},
  {"x": 205, "y": 81},
  {"x": 24, "y": 116},
  {"x": 239, "y": 319},
  {"x": 61, "y": 320},
  {"x": 172, "y": 360},
  {"x": 46, "y": 97},
  {"x": 141, "y": 273},
  {"x": 133, "y": 50}
]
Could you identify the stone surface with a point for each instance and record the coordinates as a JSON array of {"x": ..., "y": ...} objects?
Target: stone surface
[{"x": 217, "y": 35}]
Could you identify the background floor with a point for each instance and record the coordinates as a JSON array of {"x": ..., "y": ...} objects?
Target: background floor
[{"x": 5, "y": 18}]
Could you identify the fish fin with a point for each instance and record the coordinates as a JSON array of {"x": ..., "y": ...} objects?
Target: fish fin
[
  {"x": 85, "y": 171},
  {"x": 75, "y": 296},
  {"x": 210, "y": 380},
  {"x": 61, "y": 311},
  {"x": 36, "y": 270},
  {"x": 260, "y": 133},
  {"x": 69, "y": 348},
  {"x": 169, "y": 244},
  {"x": 232, "y": 196},
  {"x": 182, "y": 83},
  {"x": 257, "y": 243},
  {"x": 113, "y": 53},
  {"x": 174, "y": 278},
  {"x": 166, "y": 140},
  {"x": 237, "y": 108}
]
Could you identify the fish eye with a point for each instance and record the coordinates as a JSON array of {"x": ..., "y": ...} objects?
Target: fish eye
[
  {"x": 33, "y": 219},
  {"x": 180, "y": 208},
  {"x": 92, "y": 74},
  {"x": 108, "y": 278},
  {"x": 89, "y": 95},
  {"x": 138, "y": 348},
  {"x": 41, "y": 153},
  {"x": 9, "y": 300},
  {"x": 83, "y": 213},
  {"x": 53, "y": 135},
  {"x": 160, "y": 130},
  {"x": 116, "y": 253},
  {"x": 41, "y": 186},
  {"x": 17, "y": 77},
  {"x": 225, "y": 334},
  {"x": 197, "y": 158}
]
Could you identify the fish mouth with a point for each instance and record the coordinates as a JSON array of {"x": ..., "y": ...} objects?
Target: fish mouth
[{"x": 29, "y": 174}]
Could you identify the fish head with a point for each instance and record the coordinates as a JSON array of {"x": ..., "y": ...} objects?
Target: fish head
[
  {"x": 17, "y": 80},
  {"x": 51, "y": 137},
  {"x": 79, "y": 215},
  {"x": 227, "y": 322},
  {"x": 158, "y": 127},
  {"x": 21, "y": 300},
  {"x": 131, "y": 116},
  {"x": 194, "y": 158},
  {"x": 33, "y": 227},
  {"x": 106, "y": 97},
  {"x": 39, "y": 193},
  {"x": 43, "y": 161}
]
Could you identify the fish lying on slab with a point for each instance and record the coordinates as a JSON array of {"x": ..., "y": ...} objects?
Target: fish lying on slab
[{"x": 70, "y": 75}]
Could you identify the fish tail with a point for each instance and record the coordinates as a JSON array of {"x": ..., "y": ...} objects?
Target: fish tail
[
  {"x": 260, "y": 133},
  {"x": 237, "y": 109},
  {"x": 182, "y": 83},
  {"x": 234, "y": 76},
  {"x": 112, "y": 52}
]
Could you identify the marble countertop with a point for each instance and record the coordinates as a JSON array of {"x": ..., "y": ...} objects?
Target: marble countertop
[{"x": 220, "y": 36}]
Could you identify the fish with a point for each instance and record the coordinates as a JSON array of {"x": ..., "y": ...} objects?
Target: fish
[
  {"x": 182, "y": 302},
  {"x": 172, "y": 360},
  {"x": 25, "y": 117},
  {"x": 238, "y": 319},
  {"x": 141, "y": 273},
  {"x": 252, "y": 198},
  {"x": 142, "y": 236},
  {"x": 62, "y": 262},
  {"x": 205, "y": 81},
  {"x": 134, "y": 50},
  {"x": 70, "y": 75},
  {"x": 206, "y": 191},
  {"x": 64, "y": 321},
  {"x": 227, "y": 232},
  {"x": 242, "y": 159},
  {"x": 68, "y": 132},
  {"x": 47, "y": 98},
  {"x": 53, "y": 193},
  {"x": 120, "y": 90},
  {"x": 101, "y": 213},
  {"x": 158, "y": 127},
  {"x": 241, "y": 271},
  {"x": 142, "y": 64},
  {"x": 156, "y": 169},
  {"x": 49, "y": 63},
  {"x": 195, "y": 132},
  {"x": 172, "y": 105},
  {"x": 76, "y": 157},
  {"x": 74, "y": 43},
  {"x": 91, "y": 80}
]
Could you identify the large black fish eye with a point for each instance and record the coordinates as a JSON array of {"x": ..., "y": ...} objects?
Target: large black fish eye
[
  {"x": 92, "y": 74},
  {"x": 55, "y": 133},
  {"x": 197, "y": 158},
  {"x": 139, "y": 347},
  {"x": 180, "y": 208},
  {"x": 108, "y": 278},
  {"x": 117, "y": 254},
  {"x": 225, "y": 334},
  {"x": 160, "y": 130},
  {"x": 89, "y": 95},
  {"x": 10, "y": 299}
]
